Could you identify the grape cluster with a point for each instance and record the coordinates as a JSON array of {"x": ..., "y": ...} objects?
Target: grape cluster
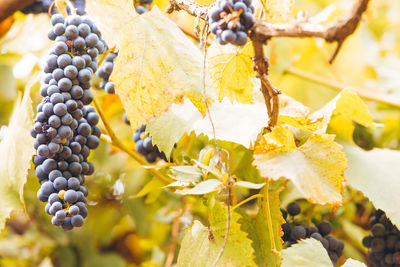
[
  {"x": 231, "y": 20},
  {"x": 105, "y": 71},
  {"x": 383, "y": 241},
  {"x": 42, "y": 6},
  {"x": 293, "y": 232},
  {"x": 65, "y": 127}
]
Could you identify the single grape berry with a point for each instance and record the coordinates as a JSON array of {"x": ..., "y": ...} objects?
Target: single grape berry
[{"x": 293, "y": 209}]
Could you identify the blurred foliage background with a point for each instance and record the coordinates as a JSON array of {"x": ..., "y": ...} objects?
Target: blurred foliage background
[{"x": 127, "y": 229}]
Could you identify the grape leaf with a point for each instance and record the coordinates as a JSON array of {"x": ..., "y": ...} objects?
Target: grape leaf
[
  {"x": 316, "y": 168},
  {"x": 167, "y": 129},
  {"x": 376, "y": 174},
  {"x": 156, "y": 65},
  {"x": 258, "y": 229},
  {"x": 231, "y": 71},
  {"x": 346, "y": 103},
  {"x": 239, "y": 123},
  {"x": 200, "y": 245},
  {"x": 306, "y": 253},
  {"x": 16, "y": 150},
  {"x": 201, "y": 188},
  {"x": 251, "y": 185},
  {"x": 353, "y": 263}
]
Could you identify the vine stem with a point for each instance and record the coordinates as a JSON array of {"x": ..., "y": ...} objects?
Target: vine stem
[
  {"x": 174, "y": 235},
  {"x": 373, "y": 96},
  {"x": 269, "y": 218},
  {"x": 118, "y": 143},
  {"x": 246, "y": 200},
  {"x": 228, "y": 224}
]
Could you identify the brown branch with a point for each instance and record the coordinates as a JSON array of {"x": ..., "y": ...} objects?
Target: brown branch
[
  {"x": 191, "y": 7},
  {"x": 336, "y": 31},
  {"x": 270, "y": 92},
  {"x": 8, "y": 7}
]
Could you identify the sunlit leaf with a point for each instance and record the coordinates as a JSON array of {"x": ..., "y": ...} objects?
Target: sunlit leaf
[
  {"x": 231, "y": 71},
  {"x": 201, "y": 245},
  {"x": 376, "y": 174},
  {"x": 346, "y": 103},
  {"x": 201, "y": 188},
  {"x": 306, "y": 253},
  {"x": 316, "y": 168},
  {"x": 239, "y": 123},
  {"x": 186, "y": 173},
  {"x": 249, "y": 185},
  {"x": 156, "y": 66},
  {"x": 16, "y": 150}
]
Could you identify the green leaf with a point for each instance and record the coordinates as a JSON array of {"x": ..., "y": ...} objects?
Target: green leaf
[
  {"x": 16, "y": 150},
  {"x": 376, "y": 174},
  {"x": 259, "y": 230},
  {"x": 307, "y": 253},
  {"x": 201, "y": 245},
  {"x": 202, "y": 188},
  {"x": 186, "y": 173},
  {"x": 238, "y": 123},
  {"x": 231, "y": 71},
  {"x": 249, "y": 185},
  {"x": 156, "y": 65},
  {"x": 353, "y": 263}
]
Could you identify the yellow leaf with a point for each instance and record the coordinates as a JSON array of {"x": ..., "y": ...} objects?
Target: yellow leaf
[
  {"x": 156, "y": 65},
  {"x": 231, "y": 71},
  {"x": 316, "y": 168},
  {"x": 16, "y": 150},
  {"x": 346, "y": 103}
]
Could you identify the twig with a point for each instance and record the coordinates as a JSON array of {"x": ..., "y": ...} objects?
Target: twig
[
  {"x": 174, "y": 237},
  {"x": 246, "y": 200},
  {"x": 269, "y": 218},
  {"x": 118, "y": 143},
  {"x": 189, "y": 6},
  {"x": 368, "y": 95}
]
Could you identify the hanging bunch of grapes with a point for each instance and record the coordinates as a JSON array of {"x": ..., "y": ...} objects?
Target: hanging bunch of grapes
[
  {"x": 65, "y": 126},
  {"x": 231, "y": 21}
]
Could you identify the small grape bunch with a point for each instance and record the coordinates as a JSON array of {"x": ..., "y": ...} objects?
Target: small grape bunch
[
  {"x": 144, "y": 145},
  {"x": 104, "y": 72},
  {"x": 294, "y": 231},
  {"x": 231, "y": 20},
  {"x": 383, "y": 242}
]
